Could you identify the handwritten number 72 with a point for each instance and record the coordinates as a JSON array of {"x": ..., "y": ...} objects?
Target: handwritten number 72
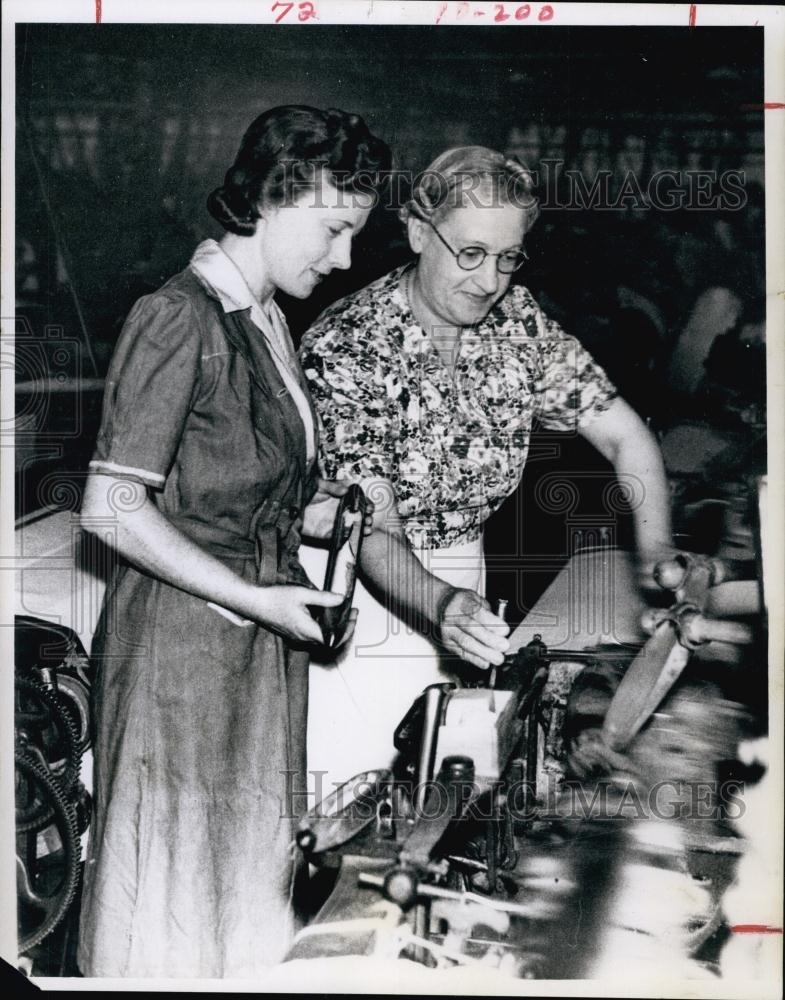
[{"x": 306, "y": 10}]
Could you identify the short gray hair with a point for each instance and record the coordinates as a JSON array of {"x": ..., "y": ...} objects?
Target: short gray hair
[{"x": 458, "y": 176}]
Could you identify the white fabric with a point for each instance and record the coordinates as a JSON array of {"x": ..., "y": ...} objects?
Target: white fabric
[{"x": 356, "y": 702}]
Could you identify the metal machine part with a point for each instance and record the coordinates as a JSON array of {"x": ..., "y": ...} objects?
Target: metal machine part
[
  {"x": 333, "y": 621},
  {"x": 457, "y": 850},
  {"x": 46, "y": 731},
  {"x": 47, "y": 856},
  {"x": 676, "y": 632},
  {"x": 442, "y": 805},
  {"x": 345, "y": 813},
  {"x": 52, "y": 679}
]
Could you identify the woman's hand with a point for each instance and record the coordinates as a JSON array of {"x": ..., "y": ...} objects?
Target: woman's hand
[
  {"x": 319, "y": 515},
  {"x": 648, "y": 561},
  {"x": 147, "y": 539},
  {"x": 284, "y": 609},
  {"x": 348, "y": 632},
  {"x": 472, "y": 631}
]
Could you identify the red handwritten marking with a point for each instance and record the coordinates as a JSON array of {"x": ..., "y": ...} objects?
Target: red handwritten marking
[
  {"x": 768, "y": 106},
  {"x": 755, "y": 929},
  {"x": 306, "y": 10},
  {"x": 461, "y": 10},
  {"x": 693, "y": 14},
  {"x": 97, "y": 11}
]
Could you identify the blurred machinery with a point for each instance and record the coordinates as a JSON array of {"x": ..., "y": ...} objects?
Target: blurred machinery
[
  {"x": 574, "y": 811},
  {"x": 51, "y": 732}
]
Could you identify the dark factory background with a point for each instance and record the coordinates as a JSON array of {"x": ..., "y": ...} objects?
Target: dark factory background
[{"x": 122, "y": 130}]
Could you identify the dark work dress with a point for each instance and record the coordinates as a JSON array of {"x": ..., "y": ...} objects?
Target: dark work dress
[{"x": 199, "y": 722}]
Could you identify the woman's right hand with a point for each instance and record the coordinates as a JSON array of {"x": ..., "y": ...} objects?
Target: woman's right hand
[
  {"x": 472, "y": 631},
  {"x": 283, "y": 608}
]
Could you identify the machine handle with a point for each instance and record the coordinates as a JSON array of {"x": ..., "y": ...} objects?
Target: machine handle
[{"x": 333, "y": 620}]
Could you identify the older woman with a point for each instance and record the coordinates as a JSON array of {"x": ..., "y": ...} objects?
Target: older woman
[
  {"x": 204, "y": 479},
  {"x": 427, "y": 383}
]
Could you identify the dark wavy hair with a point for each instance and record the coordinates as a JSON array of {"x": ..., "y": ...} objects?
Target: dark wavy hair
[{"x": 282, "y": 155}]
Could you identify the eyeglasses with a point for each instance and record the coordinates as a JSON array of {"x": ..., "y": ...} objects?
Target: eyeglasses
[{"x": 470, "y": 258}]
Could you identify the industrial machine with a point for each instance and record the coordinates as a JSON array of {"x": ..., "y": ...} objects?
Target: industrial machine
[
  {"x": 519, "y": 829},
  {"x": 52, "y": 806}
]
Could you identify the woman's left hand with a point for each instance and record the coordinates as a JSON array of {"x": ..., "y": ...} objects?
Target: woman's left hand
[
  {"x": 648, "y": 562},
  {"x": 319, "y": 515}
]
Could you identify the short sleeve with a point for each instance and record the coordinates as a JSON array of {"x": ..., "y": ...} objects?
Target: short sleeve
[
  {"x": 149, "y": 390},
  {"x": 574, "y": 389},
  {"x": 349, "y": 385}
]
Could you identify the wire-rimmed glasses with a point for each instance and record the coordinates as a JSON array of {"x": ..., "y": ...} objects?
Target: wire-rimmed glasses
[{"x": 470, "y": 258}]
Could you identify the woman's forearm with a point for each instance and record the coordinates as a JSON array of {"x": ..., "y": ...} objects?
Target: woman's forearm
[
  {"x": 389, "y": 562},
  {"x": 641, "y": 459},
  {"x": 141, "y": 533},
  {"x": 467, "y": 627},
  {"x": 623, "y": 439}
]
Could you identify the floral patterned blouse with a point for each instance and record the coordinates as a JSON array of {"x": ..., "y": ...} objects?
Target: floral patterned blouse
[{"x": 453, "y": 445}]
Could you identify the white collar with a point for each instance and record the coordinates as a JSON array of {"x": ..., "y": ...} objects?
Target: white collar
[{"x": 217, "y": 269}]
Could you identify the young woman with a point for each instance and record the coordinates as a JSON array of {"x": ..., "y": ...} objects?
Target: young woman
[{"x": 204, "y": 480}]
